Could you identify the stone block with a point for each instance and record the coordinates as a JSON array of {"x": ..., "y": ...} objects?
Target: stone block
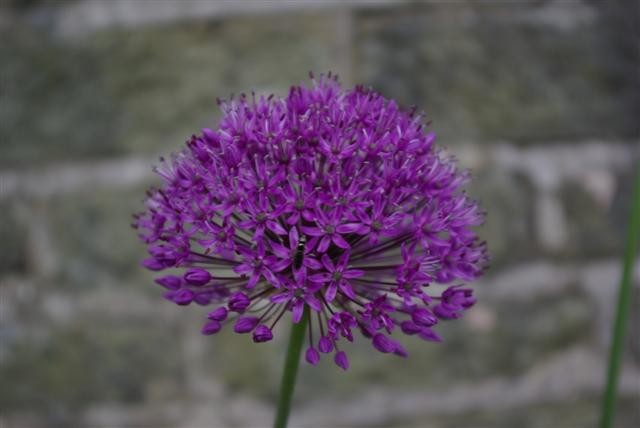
[
  {"x": 91, "y": 237},
  {"x": 525, "y": 71},
  {"x": 147, "y": 90},
  {"x": 57, "y": 379},
  {"x": 55, "y": 101},
  {"x": 13, "y": 238},
  {"x": 581, "y": 411},
  {"x": 508, "y": 199},
  {"x": 592, "y": 230}
]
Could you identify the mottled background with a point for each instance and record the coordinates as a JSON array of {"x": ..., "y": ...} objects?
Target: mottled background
[{"x": 540, "y": 99}]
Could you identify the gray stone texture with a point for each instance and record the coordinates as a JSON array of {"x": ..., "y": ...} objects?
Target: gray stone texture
[
  {"x": 539, "y": 99},
  {"x": 529, "y": 71}
]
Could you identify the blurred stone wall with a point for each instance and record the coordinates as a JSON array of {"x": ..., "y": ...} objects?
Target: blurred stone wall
[{"x": 540, "y": 99}]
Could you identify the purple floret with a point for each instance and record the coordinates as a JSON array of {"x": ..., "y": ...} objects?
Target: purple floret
[{"x": 335, "y": 201}]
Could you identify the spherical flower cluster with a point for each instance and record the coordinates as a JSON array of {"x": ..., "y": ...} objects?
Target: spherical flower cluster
[{"x": 330, "y": 204}]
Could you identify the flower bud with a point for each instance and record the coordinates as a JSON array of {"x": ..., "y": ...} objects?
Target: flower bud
[
  {"x": 239, "y": 302},
  {"x": 430, "y": 335},
  {"x": 409, "y": 327},
  {"x": 325, "y": 345},
  {"x": 197, "y": 276},
  {"x": 312, "y": 356},
  {"x": 245, "y": 324},
  {"x": 423, "y": 317},
  {"x": 341, "y": 360},
  {"x": 400, "y": 351},
  {"x": 383, "y": 344},
  {"x": 446, "y": 312},
  {"x": 262, "y": 333},
  {"x": 181, "y": 297},
  {"x": 203, "y": 299},
  {"x": 152, "y": 264},
  {"x": 219, "y": 314},
  {"x": 170, "y": 282},
  {"x": 212, "y": 327}
]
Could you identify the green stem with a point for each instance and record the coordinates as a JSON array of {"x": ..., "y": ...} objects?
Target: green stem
[
  {"x": 290, "y": 370},
  {"x": 622, "y": 310}
]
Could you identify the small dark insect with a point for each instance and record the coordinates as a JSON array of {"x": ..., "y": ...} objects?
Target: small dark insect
[{"x": 297, "y": 259}]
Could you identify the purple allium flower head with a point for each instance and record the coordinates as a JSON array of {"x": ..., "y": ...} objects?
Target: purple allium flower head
[{"x": 332, "y": 200}]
